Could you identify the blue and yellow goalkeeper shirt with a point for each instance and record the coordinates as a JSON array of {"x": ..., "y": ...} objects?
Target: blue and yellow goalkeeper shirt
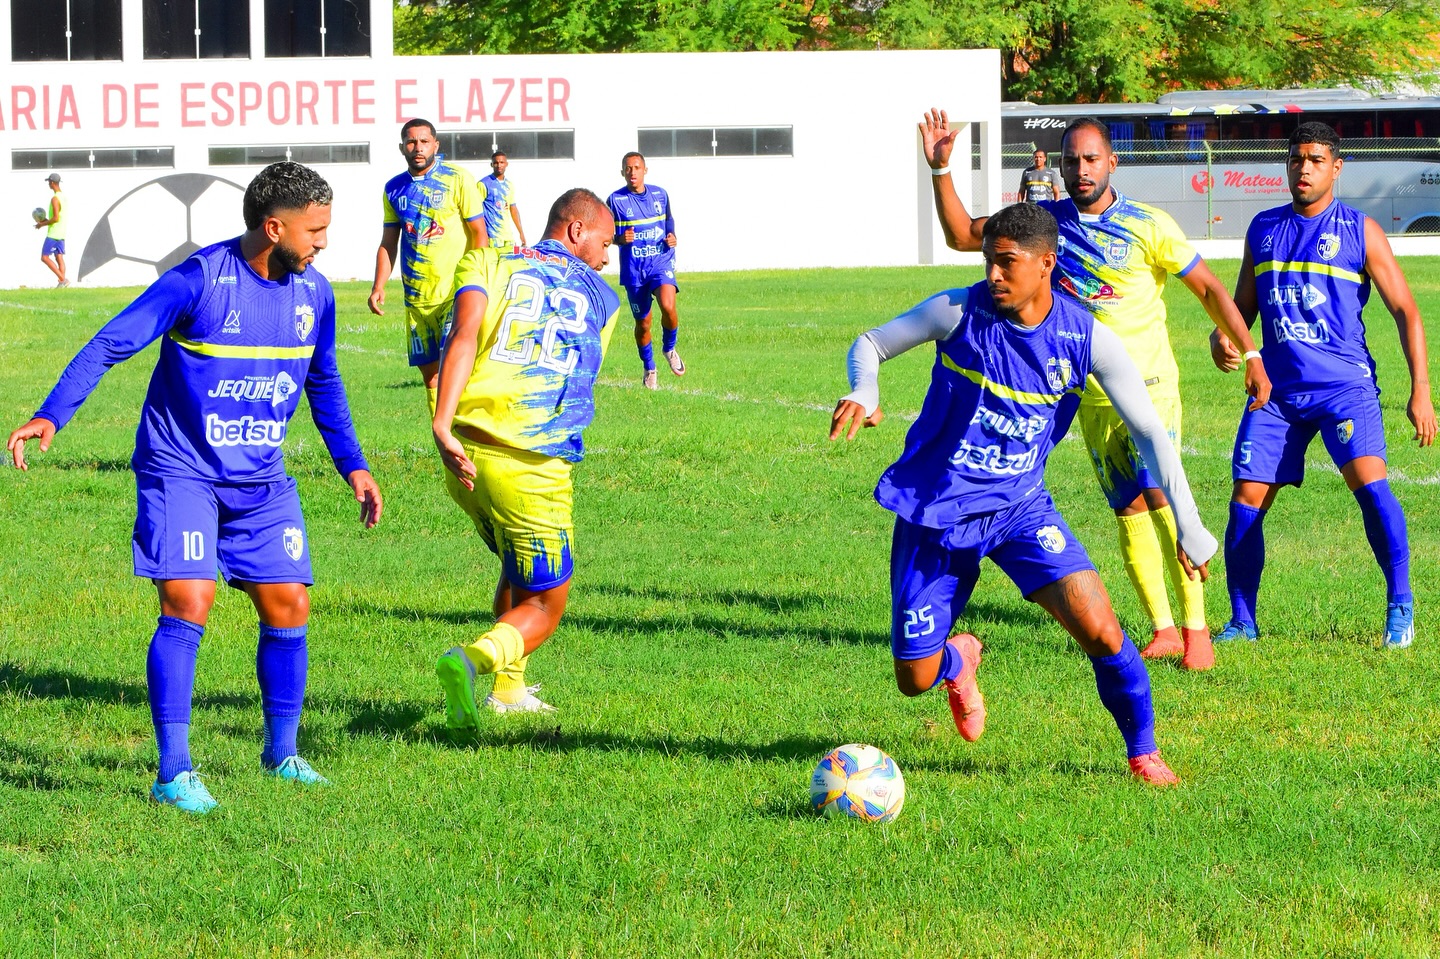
[
  {"x": 1115, "y": 263},
  {"x": 431, "y": 211},
  {"x": 237, "y": 351},
  {"x": 499, "y": 197},
  {"x": 547, "y": 324}
]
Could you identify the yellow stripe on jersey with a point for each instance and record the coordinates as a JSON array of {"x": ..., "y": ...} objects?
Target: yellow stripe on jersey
[
  {"x": 1298, "y": 266},
  {"x": 243, "y": 352},
  {"x": 648, "y": 219},
  {"x": 1002, "y": 391}
]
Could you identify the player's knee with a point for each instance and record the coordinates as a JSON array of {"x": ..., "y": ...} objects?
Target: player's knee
[{"x": 908, "y": 679}]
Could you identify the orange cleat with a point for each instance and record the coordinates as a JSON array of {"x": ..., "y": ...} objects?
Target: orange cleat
[
  {"x": 1166, "y": 643},
  {"x": 1199, "y": 651},
  {"x": 1151, "y": 770},
  {"x": 966, "y": 703}
]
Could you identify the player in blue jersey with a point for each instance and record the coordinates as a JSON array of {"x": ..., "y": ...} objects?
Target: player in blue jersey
[
  {"x": 645, "y": 234},
  {"x": 516, "y": 391},
  {"x": 1306, "y": 274},
  {"x": 1115, "y": 256},
  {"x": 245, "y": 326},
  {"x": 1011, "y": 361},
  {"x": 502, "y": 213}
]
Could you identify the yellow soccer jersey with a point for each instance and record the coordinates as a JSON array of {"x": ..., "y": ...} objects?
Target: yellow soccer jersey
[
  {"x": 547, "y": 325},
  {"x": 1116, "y": 264},
  {"x": 432, "y": 211}
]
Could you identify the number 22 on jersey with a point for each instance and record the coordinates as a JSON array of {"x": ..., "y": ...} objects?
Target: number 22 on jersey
[{"x": 529, "y": 310}]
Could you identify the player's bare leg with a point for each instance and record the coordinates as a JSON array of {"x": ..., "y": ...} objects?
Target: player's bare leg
[
  {"x": 670, "y": 325},
  {"x": 511, "y": 694},
  {"x": 54, "y": 267},
  {"x": 1080, "y": 603},
  {"x": 647, "y": 352},
  {"x": 60, "y": 262},
  {"x": 967, "y": 706}
]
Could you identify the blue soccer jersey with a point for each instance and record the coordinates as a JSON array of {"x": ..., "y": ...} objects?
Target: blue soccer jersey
[
  {"x": 1001, "y": 396},
  {"x": 1311, "y": 288},
  {"x": 236, "y": 352},
  {"x": 648, "y": 214}
]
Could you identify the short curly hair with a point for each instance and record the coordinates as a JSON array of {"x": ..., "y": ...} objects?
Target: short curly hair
[{"x": 284, "y": 186}]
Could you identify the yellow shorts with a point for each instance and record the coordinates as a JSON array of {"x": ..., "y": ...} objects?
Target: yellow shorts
[
  {"x": 428, "y": 326},
  {"x": 1123, "y": 475},
  {"x": 521, "y": 506}
]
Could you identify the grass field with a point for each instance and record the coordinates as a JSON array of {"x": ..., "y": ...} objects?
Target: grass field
[{"x": 728, "y": 626}]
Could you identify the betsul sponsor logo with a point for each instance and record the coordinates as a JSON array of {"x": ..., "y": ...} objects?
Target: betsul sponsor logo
[{"x": 246, "y": 431}]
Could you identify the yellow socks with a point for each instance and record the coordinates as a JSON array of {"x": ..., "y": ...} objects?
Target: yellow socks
[
  {"x": 1145, "y": 565},
  {"x": 1191, "y": 592},
  {"x": 510, "y": 682},
  {"x": 432, "y": 397},
  {"x": 500, "y": 647}
]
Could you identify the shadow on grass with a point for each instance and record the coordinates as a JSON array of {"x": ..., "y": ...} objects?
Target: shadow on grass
[
  {"x": 63, "y": 684},
  {"x": 410, "y": 384},
  {"x": 112, "y": 465}
]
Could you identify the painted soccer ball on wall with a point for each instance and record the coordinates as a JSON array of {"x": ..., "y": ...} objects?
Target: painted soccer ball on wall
[{"x": 157, "y": 225}]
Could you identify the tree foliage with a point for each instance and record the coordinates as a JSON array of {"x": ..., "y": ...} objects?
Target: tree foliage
[{"x": 1051, "y": 50}]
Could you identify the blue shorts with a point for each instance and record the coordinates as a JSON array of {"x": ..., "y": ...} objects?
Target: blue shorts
[
  {"x": 52, "y": 247},
  {"x": 187, "y": 529},
  {"x": 640, "y": 290},
  {"x": 934, "y": 571},
  {"x": 1271, "y": 442}
]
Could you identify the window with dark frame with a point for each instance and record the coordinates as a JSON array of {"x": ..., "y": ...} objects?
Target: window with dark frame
[
  {"x": 317, "y": 28},
  {"x": 717, "y": 141},
  {"x": 478, "y": 145},
  {"x": 308, "y": 153},
  {"x": 65, "y": 30},
  {"x": 108, "y": 158},
  {"x": 195, "y": 29}
]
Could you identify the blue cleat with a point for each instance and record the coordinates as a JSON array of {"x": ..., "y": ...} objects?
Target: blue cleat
[
  {"x": 1237, "y": 630},
  {"x": 296, "y": 770},
  {"x": 1399, "y": 625},
  {"x": 186, "y": 792},
  {"x": 457, "y": 677}
]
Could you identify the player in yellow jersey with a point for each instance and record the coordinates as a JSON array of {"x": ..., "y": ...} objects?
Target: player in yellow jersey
[
  {"x": 52, "y": 251},
  {"x": 433, "y": 214},
  {"x": 516, "y": 391},
  {"x": 1115, "y": 255}
]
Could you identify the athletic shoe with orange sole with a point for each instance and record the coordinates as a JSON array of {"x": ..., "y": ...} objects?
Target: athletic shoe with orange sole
[
  {"x": 1151, "y": 770},
  {"x": 1165, "y": 643},
  {"x": 1199, "y": 651},
  {"x": 966, "y": 703}
]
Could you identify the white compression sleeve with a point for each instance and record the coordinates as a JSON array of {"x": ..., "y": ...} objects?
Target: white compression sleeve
[
  {"x": 933, "y": 319},
  {"x": 1122, "y": 382}
]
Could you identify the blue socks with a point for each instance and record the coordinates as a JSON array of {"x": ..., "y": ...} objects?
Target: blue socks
[
  {"x": 951, "y": 662},
  {"x": 668, "y": 338},
  {"x": 1385, "y": 529},
  {"x": 647, "y": 355},
  {"x": 170, "y": 678},
  {"x": 1244, "y": 560},
  {"x": 280, "y": 663},
  {"x": 1124, "y": 687}
]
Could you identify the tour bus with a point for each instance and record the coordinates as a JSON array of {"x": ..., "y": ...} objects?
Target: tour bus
[{"x": 1213, "y": 159}]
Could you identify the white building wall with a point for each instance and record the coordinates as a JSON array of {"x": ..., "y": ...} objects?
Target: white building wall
[{"x": 854, "y": 192}]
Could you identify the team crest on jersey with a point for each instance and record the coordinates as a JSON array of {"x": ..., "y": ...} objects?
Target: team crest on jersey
[
  {"x": 1345, "y": 430},
  {"x": 285, "y": 388},
  {"x": 1328, "y": 246},
  {"x": 294, "y": 542},
  {"x": 1057, "y": 373},
  {"x": 658, "y": 207},
  {"x": 1051, "y": 539},
  {"x": 1117, "y": 251},
  {"x": 232, "y": 322},
  {"x": 1311, "y": 297},
  {"x": 304, "y": 321}
]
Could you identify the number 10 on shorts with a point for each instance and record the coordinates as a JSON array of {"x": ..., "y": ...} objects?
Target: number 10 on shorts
[{"x": 193, "y": 544}]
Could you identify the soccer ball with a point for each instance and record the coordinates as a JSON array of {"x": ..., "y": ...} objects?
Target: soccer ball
[
  {"x": 858, "y": 781},
  {"x": 39, "y": 214},
  {"x": 157, "y": 225}
]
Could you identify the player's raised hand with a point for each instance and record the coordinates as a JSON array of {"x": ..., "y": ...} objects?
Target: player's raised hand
[
  {"x": 1201, "y": 572},
  {"x": 1257, "y": 382},
  {"x": 452, "y": 454},
  {"x": 367, "y": 494},
  {"x": 937, "y": 139},
  {"x": 849, "y": 417},
  {"x": 377, "y": 301},
  {"x": 1224, "y": 354},
  {"x": 44, "y": 430},
  {"x": 1420, "y": 409}
]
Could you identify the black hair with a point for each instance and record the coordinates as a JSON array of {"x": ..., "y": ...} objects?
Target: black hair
[
  {"x": 1089, "y": 123},
  {"x": 499, "y": 153},
  {"x": 1313, "y": 131},
  {"x": 283, "y": 186},
  {"x": 1027, "y": 224},
  {"x": 632, "y": 153},
  {"x": 417, "y": 122},
  {"x": 574, "y": 204}
]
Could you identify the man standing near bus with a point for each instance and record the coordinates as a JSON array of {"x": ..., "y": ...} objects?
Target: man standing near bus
[
  {"x": 1306, "y": 273},
  {"x": 1038, "y": 182},
  {"x": 1114, "y": 257}
]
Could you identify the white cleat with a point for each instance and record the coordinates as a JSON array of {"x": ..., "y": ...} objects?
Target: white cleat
[
  {"x": 530, "y": 704},
  {"x": 677, "y": 365},
  {"x": 652, "y": 380}
]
